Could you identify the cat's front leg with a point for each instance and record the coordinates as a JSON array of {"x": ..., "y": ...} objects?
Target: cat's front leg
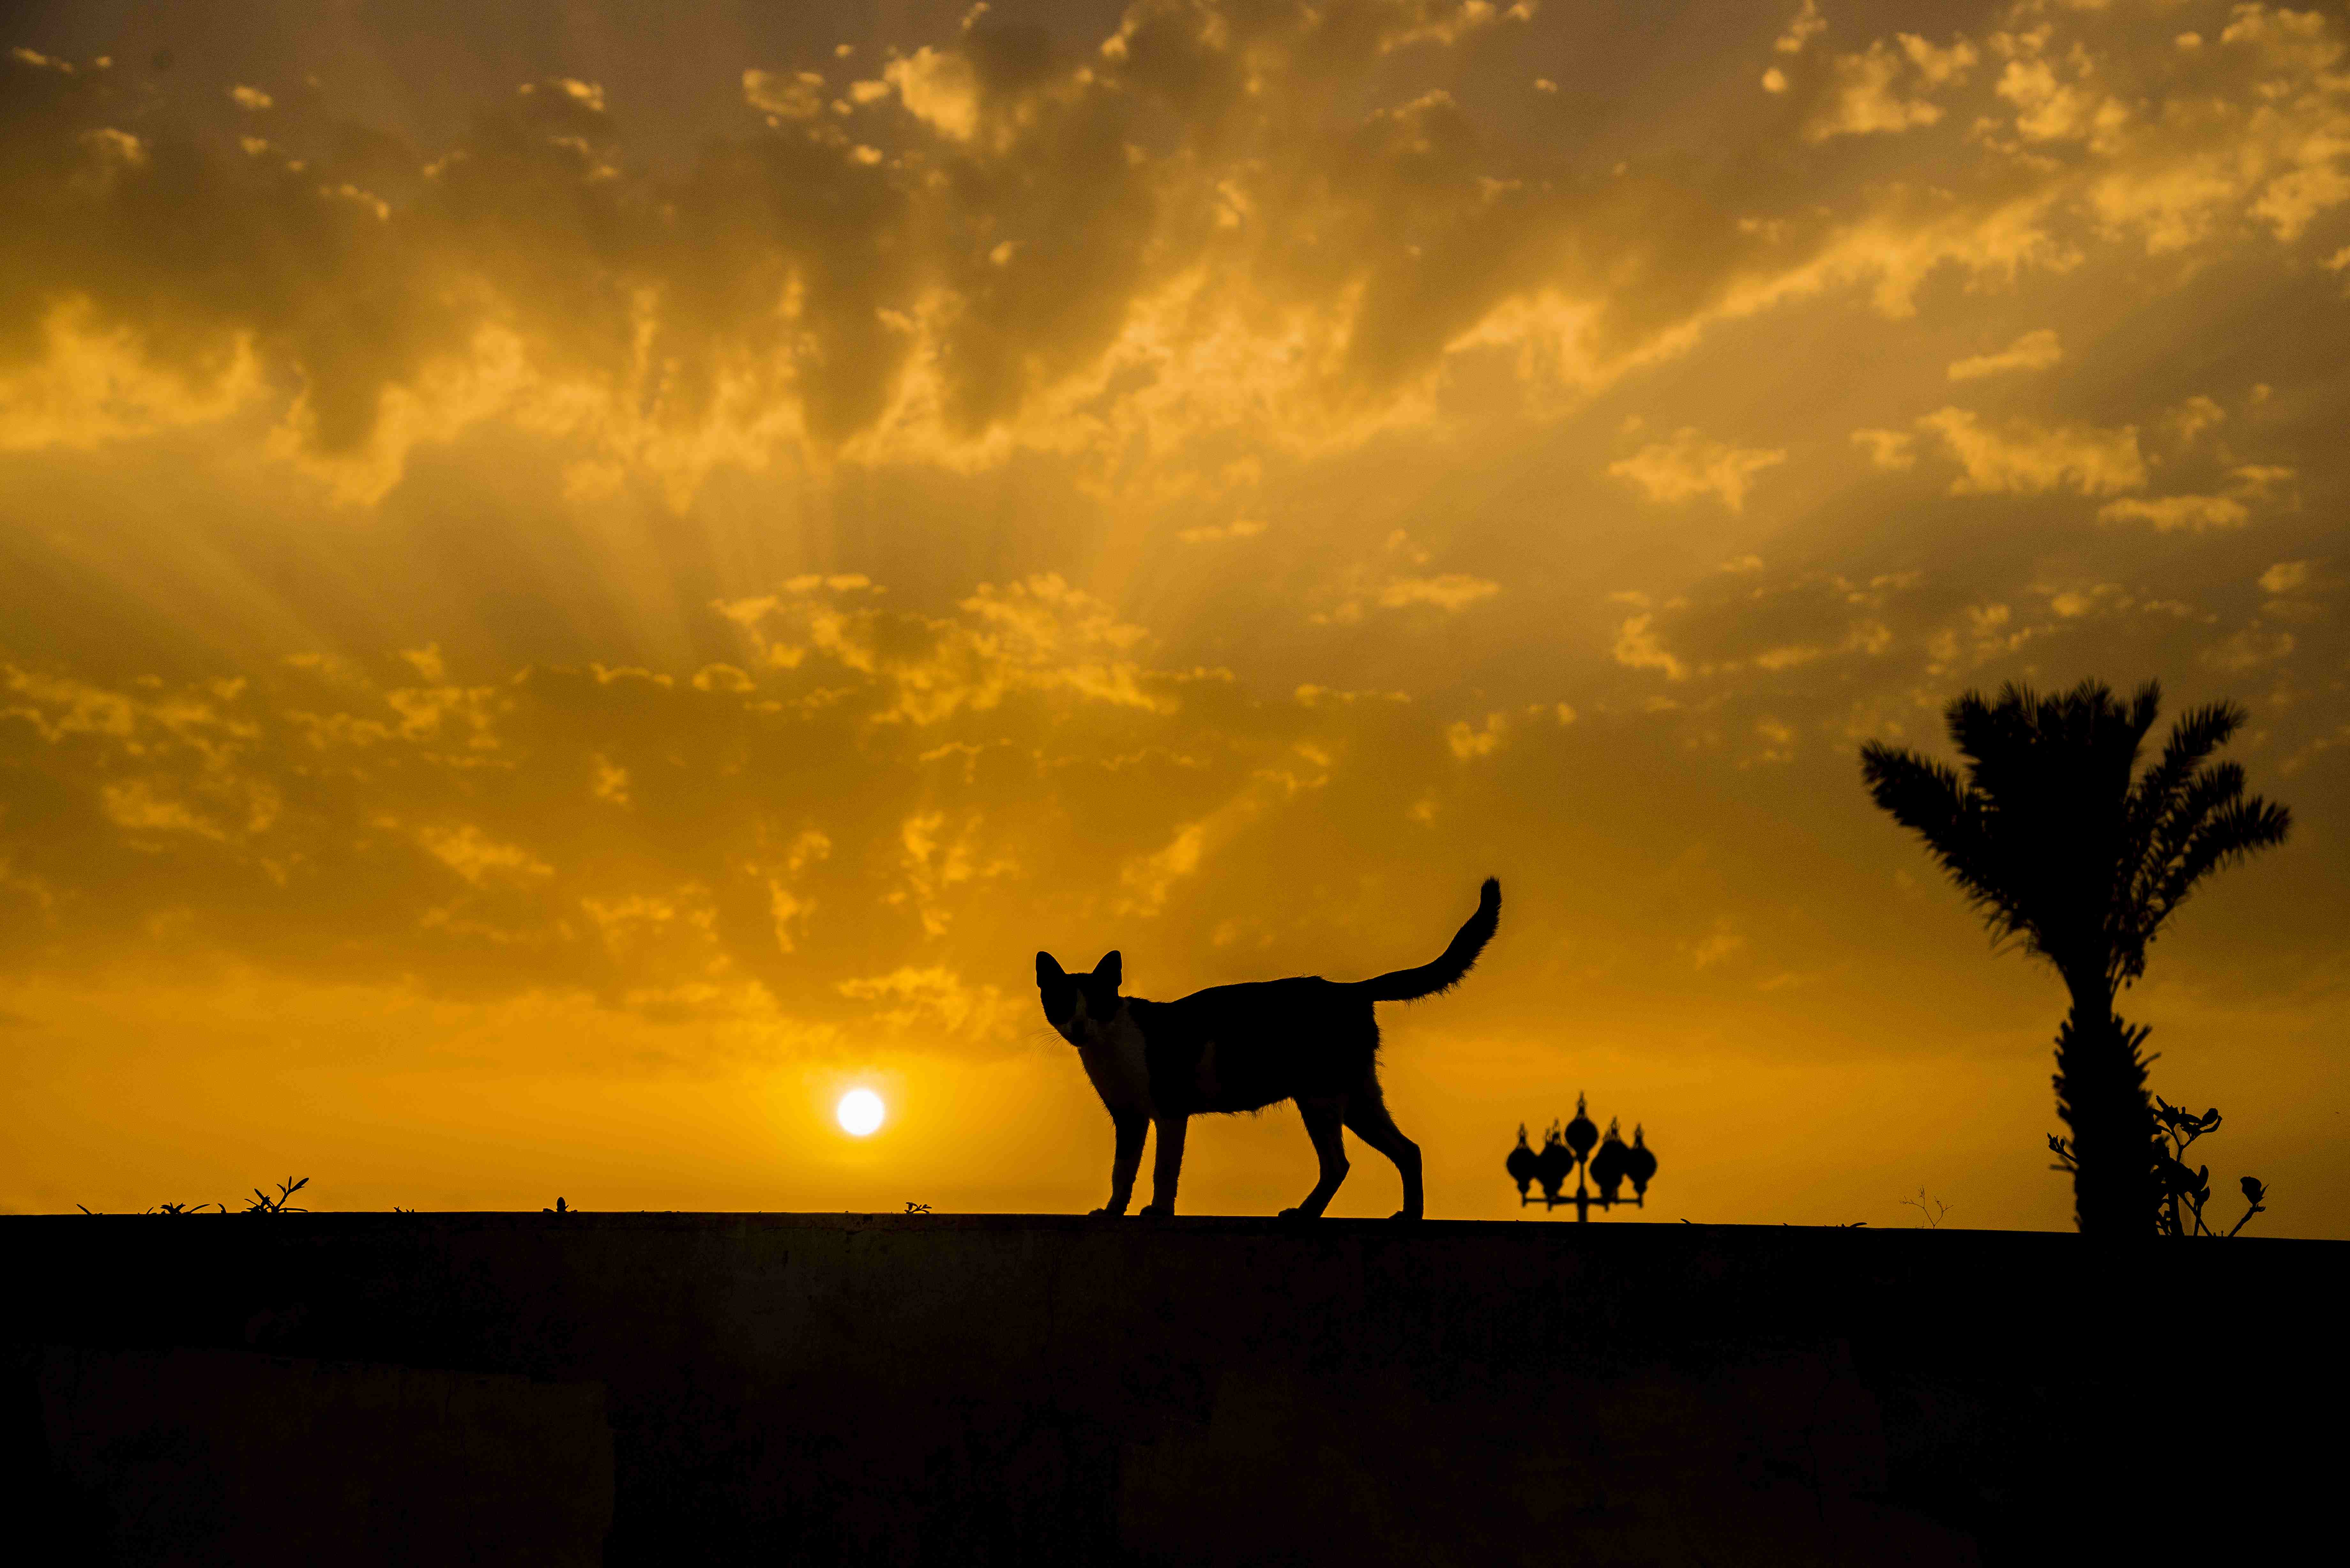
[
  {"x": 1168, "y": 1167},
  {"x": 1132, "y": 1131}
]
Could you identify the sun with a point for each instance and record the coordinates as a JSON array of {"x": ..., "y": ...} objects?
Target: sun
[{"x": 860, "y": 1112}]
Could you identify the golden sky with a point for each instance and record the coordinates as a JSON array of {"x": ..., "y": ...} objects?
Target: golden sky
[{"x": 579, "y": 579}]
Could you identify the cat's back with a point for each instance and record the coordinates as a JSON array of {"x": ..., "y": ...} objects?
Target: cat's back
[
  {"x": 1260, "y": 1000},
  {"x": 1242, "y": 1047}
]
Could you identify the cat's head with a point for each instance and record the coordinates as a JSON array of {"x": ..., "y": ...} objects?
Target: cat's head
[{"x": 1080, "y": 1006}]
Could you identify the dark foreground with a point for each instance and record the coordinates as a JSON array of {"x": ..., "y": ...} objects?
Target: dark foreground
[{"x": 719, "y": 1389}]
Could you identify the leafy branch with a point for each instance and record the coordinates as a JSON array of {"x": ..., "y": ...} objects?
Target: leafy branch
[
  {"x": 282, "y": 1204},
  {"x": 2181, "y": 1192},
  {"x": 263, "y": 1203},
  {"x": 2185, "y": 1191}
]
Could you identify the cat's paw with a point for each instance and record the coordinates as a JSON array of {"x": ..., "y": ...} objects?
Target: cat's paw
[
  {"x": 1155, "y": 1211},
  {"x": 1294, "y": 1214},
  {"x": 1106, "y": 1212},
  {"x": 1405, "y": 1214}
]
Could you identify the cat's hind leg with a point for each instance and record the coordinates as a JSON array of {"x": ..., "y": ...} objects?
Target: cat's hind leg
[
  {"x": 1367, "y": 1118},
  {"x": 1168, "y": 1168},
  {"x": 1323, "y": 1124}
]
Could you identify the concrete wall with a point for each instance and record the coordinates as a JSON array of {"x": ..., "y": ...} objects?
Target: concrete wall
[
  {"x": 229, "y": 1457},
  {"x": 725, "y": 1389}
]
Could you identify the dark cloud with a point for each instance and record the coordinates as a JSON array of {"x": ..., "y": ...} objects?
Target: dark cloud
[{"x": 1010, "y": 207}]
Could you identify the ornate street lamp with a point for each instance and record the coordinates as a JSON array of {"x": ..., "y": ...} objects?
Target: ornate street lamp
[{"x": 1569, "y": 1151}]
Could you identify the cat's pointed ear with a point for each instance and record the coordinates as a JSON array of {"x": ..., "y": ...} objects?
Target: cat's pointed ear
[
  {"x": 1111, "y": 968},
  {"x": 1048, "y": 970}
]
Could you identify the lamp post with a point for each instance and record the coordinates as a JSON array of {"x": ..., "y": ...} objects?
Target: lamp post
[{"x": 1576, "y": 1149}]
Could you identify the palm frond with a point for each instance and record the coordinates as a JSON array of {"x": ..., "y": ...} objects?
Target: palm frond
[
  {"x": 1929, "y": 799},
  {"x": 2054, "y": 836},
  {"x": 2139, "y": 907},
  {"x": 1981, "y": 730},
  {"x": 2208, "y": 793},
  {"x": 2231, "y": 832},
  {"x": 2152, "y": 841},
  {"x": 2199, "y": 732}
]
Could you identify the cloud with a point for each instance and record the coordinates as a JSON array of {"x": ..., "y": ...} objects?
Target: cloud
[
  {"x": 1867, "y": 96},
  {"x": 2278, "y": 156},
  {"x": 1894, "y": 450},
  {"x": 89, "y": 384},
  {"x": 2257, "y": 480},
  {"x": 2286, "y": 577},
  {"x": 2035, "y": 350},
  {"x": 1717, "y": 944},
  {"x": 1751, "y": 633},
  {"x": 137, "y": 807},
  {"x": 932, "y": 865},
  {"x": 2248, "y": 649},
  {"x": 478, "y": 858},
  {"x": 1148, "y": 878},
  {"x": 932, "y": 1000},
  {"x": 1444, "y": 21},
  {"x": 2195, "y": 416},
  {"x": 1466, "y": 743},
  {"x": 1689, "y": 466},
  {"x": 2051, "y": 109},
  {"x": 661, "y": 843},
  {"x": 2198, "y": 513},
  {"x": 587, "y": 96},
  {"x": 2173, "y": 514},
  {"x": 1939, "y": 65},
  {"x": 2071, "y": 604},
  {"x": 940, "y": 88},
  {"x": 2026, "y": 459},
  {"x": 1800, "y": 28},
  {"x": 1041, "y": 635},
  {"x": 1240, "y": 528},
  {"x": 1449, "y": 591},
  {"x": 914, "y": 315},
  {"x": 1363, "y": 589},
  {"x": 787, "y": 95},
  {"x": 1637, "y": 647},
  {"x": 1777, "y": 741}
]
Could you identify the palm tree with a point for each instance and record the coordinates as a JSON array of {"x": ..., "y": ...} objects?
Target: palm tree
[{"x": 2061, "y": 843}]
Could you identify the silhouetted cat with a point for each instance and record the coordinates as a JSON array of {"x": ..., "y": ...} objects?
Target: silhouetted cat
[{"x": 1243, "y": 1047}]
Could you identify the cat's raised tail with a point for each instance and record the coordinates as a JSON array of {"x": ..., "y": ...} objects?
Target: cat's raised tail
[{"x": 1428, "y": 979}]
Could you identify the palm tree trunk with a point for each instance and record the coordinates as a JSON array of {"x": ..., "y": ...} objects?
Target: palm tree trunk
[{"x": 2101, "y": 1094}]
